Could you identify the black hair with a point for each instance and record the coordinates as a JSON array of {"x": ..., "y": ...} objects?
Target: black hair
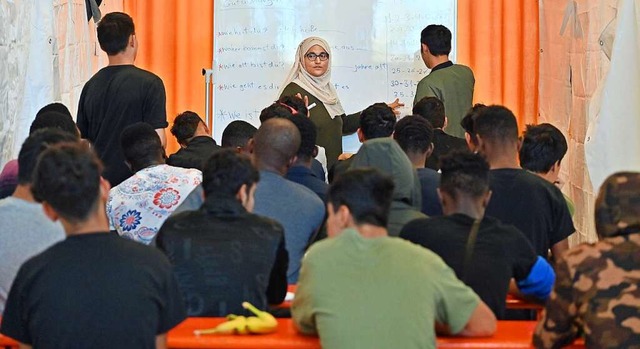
[
  {"x": 114, "y": 31},
  {"x": 237, "y": 134},
  {"x": 308, "y": 135},
  {"x": 54, "y": 119},
  {"x": 542, "y": 146},
  {"x": 55, "y": 106},
  {"x": 437, "y": 38},
  {"x": 496, "y": 124},
  {"x": 141, "y": 145},
  {"x": 35, "y": 144},
  {"x": 226, "y": 171},
  {"x": 464, "y": 173},
  {"x": 296, "y": 103},
  {"x": 67, "y": 177},
  {"x": 275, "y": 110},
  {"x": 377, "y": 121},
  {"x": 185, "y": 126},
  {"x": 432, "y": 109},
  {"x": 414, "y": 134},
  {"x": 469, "y": 120},
  {"x": 367, "y": 192}
]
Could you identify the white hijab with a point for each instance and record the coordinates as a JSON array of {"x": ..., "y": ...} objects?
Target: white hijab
[{"x": 320, "y": 87}]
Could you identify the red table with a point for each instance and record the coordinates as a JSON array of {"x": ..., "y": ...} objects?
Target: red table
[{"x": 510, "y": 334}]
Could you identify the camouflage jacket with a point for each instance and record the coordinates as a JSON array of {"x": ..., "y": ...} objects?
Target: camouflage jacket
[{"x": 597, "y": 294}]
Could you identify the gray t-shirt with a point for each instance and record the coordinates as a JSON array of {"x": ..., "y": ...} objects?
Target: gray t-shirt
[{"x": 25, "y": 232}]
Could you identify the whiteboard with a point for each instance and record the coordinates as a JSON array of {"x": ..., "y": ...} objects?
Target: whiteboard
[{"x": 375, "y": 51}]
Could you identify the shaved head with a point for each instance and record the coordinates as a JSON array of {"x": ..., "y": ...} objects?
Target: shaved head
[{"x": 276, "y": 143}]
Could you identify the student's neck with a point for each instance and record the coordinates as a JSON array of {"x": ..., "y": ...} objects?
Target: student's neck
[
  {"x": 303, "y": 163},
  {"x": 503, "y": 161},
  {"x": 547, "y": 176},
  {"x": 467, "y": 206},
  {"x": 147, "y": 165},
  {"x": 417, "y": 160},
  {"x": 120, "y": 59},
  {"x": 371, "y": 231},
  {"x": 97, "y": 222},
  {"x": 23, "y": 192},
  {"x": 262, "y": 166}
]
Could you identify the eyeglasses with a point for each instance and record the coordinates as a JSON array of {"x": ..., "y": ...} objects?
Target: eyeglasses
[{"x": 312, "y": 56}]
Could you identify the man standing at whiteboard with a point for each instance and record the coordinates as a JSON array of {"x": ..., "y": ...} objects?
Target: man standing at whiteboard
[{"x": 450, "y": 83}]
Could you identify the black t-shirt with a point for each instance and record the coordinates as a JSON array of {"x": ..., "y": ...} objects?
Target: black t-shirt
[
  {"x": 114, "y": 98},
  {"x": 429, "y": 182},
  {"x": 197, "y": 152},
  {"x": 93, "y": 291},
  {"x": 223, "y": 255},
  {"x": 500, "y": 253},
  {"x": 531, "y": 204}
]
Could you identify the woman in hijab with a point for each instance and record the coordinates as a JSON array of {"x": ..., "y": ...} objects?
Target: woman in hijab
[{"x": 310, "y": 77}]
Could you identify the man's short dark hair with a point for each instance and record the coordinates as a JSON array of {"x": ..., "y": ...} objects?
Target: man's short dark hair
[
  {"x": 114, "y": 31},
  {"x": 237, "y": 134},
  {"x": 496, "y": 124},
  {"x": 226, "y": 171},
  {"x": 185, "y": 126},
  {"x": 464, "y": 173},
  {"x": 414, "y": 134},
  {"x": 469, "y": 120},
  {"x": 542, "y": 146},
  {"x": 437, "y": 38},
  {"x": 275, "y": 110},
  {"x": 141, "y": 145},
  {"x": 54, "y": 119},
  {"x": 296, "y": 103},
  {"x": 367, "y": 192},
  {"x": 35, "y": 144},
  {"x": 67, "y": 177},
  {"x": 377, "y": 121},
  {"x": 55, "y": 106},
  {"x": 432, "y": 109},
  {"x": 308, "y": 135}
]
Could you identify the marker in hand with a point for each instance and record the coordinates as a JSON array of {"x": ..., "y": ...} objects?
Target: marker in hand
[{"x": 310, "y": 106}]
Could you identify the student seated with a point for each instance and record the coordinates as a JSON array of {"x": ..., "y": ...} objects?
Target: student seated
[
  {"x": 484, "y": 253},
  {"x": 139, "y": 205},
  {"x": 432, "y": 109},
  {"x": 596, "y": 292},
  {"x": 237, "y": 135},
  {"x": 94, "y": 289},
  {"x": 26, "y": 229},
  {"x": 541, "y": 151},
  {"x": 194, "y": 137},
  {"x": 361, "y": 288},
  {"x": 414, "y": 134},
  {"x": 222, "y": 254},
  {"x": 533, "y": 205},
  {"x": 386, "y": 155}
]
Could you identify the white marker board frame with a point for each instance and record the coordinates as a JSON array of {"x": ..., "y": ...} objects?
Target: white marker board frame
[{"x": 375, "y": 51}]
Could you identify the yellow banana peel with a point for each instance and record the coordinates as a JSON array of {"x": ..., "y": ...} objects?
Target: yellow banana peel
[
  {"x": 236, "y": 324},
  {"x": 263, "y": 322}
]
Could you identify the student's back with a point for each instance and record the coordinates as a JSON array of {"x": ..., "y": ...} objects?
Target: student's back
[{"x": 531, "y": 204}]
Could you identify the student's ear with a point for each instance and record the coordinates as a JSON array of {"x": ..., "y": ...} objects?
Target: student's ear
[
  {"x": 425, "y": 48},
  {"x": 315, "y": 151},
  {"x": 105, "y": 187},
  {"x": 430, "y": 149},
  {"x": 446, "y": 123},
  {"x": 519, "y": 143},
  {"x": 292, "y": 161},
  {"x": 486, "y": 198},
  {"x": 50, "y": 212},
  {"x": 360, "y": 135},
  {"x": 249, "y": 147},
  {"x": 481, "y": 145},
  {"x": 242, "y": 195}
]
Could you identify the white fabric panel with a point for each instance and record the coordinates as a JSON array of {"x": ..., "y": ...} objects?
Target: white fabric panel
[
  {"x": 50, "y": 51},
  {"x": 572, "y": 66},
  {"x": 613, "y": 142}
]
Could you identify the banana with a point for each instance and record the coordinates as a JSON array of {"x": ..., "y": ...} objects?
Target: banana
[
  {"x": 234, "y": 324},
  {"x": 263, "y": 322}
]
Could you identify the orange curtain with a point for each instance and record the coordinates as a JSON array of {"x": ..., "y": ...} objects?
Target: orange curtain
[
  {"x": 498, "y": 39},
  {"x": 176, "y": 42}
]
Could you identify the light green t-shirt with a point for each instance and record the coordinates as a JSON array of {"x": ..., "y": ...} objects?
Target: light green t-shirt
[{"x": 382, "y": 292}]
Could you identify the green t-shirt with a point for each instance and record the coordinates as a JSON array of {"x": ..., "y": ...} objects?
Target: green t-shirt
[
  {"x": 382, "y": 292},
  {"x": 452, "y": 85}
]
